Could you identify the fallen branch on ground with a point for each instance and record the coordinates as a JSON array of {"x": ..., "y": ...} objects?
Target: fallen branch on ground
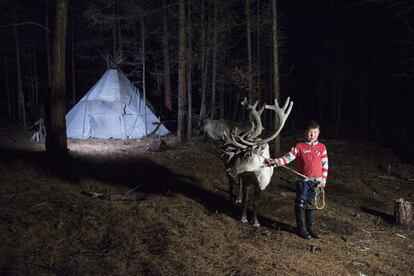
[
  {"x": 115, "y": 197},
  {"x": 401, "y": 236}
]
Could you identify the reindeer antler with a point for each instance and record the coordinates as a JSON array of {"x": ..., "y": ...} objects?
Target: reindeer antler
[
  {"x": 231, "y": 140},
  {"x": 256, "y": 116},
  {"x": 282, "y": 113}
]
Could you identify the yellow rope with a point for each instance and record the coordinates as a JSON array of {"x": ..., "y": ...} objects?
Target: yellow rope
[{"x": 321, "y": 191}]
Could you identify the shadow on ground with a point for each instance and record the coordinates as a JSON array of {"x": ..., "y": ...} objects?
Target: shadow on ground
[
  {"x": 138, "y": 173},
  {"x": 384, "y": 216}
]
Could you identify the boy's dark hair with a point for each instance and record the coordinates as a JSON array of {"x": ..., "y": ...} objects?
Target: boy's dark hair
[{"x": 312, "y": 124}]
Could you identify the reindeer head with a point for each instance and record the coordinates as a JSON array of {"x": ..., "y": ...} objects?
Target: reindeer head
[
  {"x": 208, "y": 126},
  {"x": 249, "y": 141}
]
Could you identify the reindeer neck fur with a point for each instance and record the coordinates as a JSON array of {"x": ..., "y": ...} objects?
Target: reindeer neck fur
[{"x": 252, "y": 159}]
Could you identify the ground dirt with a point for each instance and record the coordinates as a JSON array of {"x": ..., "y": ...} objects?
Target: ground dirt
[{"x": 67, "y": 218}]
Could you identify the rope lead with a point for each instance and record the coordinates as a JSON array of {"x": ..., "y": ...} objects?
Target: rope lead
[{"x": 319, "y": 191}]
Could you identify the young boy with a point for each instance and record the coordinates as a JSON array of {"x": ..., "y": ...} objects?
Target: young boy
[{"x": 312, "y": 161}]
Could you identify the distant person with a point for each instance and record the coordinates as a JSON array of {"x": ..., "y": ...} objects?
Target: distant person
[
  {"x": 312, "y": 162},
  {"x": 38, "y": 128},
  {"x": 39, "y": 131}
]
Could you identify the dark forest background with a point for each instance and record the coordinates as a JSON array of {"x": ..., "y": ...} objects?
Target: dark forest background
[{"x": 348, "y": 64}]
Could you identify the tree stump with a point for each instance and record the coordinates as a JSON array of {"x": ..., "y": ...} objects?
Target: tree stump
[{"x": 403, "y": 212}]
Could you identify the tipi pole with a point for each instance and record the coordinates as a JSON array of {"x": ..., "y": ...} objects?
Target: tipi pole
[
  {"x": 143, "y": 73},
  {"x": 84, "y": 116}
]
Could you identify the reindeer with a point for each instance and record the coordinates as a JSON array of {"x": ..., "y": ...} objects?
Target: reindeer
[
  {"x": 244, "y": 153},
  {"x": 215, "y": 129}
]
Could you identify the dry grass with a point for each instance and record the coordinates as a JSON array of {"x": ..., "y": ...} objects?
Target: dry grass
[{"x": 181, "y": 222}]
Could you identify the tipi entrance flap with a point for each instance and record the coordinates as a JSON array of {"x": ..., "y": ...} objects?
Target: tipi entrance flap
[{"x": 101, "y": 126}]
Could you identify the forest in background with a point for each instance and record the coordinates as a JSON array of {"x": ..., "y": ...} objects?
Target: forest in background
[{"x": 347, "y": 64}]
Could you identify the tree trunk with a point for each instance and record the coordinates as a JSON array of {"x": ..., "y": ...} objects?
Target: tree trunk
[
  {"x": 31, "y": 95},
  {"x": 56, "y": 143},
  {"x": 214, "y": 69},
  {"x": 73, "y": 63},
  {"x": 276, "y": 84},
  {"x": 259, "y": 92},
  {"x": 190, "y": 101},
  {"x": 21, "y": 110},
  {"x": 47, "y": 42},
  {"x": 143, "y": 72},
  {"x": 36, "y": 83},
  {"x": 118, "y": 23},
  {"x": 114, "y": 37},
  {"x": 182, "y": 100},
  {"x": 166, "y": 53},
  {"x": 189, "y": 73},
  {"x": 222, "y": 100},
  {"x": 204, "y": 63},
  {"x": 6, "y": 82},
  {"x": 249, "y": 52}
]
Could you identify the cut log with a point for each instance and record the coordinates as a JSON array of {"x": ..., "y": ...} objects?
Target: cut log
[{"x": 403, "y": 212}]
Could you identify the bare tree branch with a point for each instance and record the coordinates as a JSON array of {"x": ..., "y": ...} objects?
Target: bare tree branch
[{"x": 26, "y": 23}]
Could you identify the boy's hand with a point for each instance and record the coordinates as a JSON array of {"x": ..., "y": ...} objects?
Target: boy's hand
[
  {"x": 321, "y": 184},
  {"x": 270, "y": 162}
]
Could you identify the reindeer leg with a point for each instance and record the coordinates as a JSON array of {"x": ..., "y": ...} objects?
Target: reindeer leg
[
  {"x": 239, "y": 197},
  {"x": 244, "y": 203},
  {"x": 257, "y": 193},
  {"x": 231, "y": 188}
]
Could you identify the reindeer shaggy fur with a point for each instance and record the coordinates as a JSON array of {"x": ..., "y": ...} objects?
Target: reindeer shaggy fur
[{"x": 244, "y": 153}]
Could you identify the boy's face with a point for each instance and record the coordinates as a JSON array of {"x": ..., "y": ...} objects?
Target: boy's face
[{"x": 312, "y": 135}]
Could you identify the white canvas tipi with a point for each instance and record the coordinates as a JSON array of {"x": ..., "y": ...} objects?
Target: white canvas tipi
[{"x": 111, "y": 109}]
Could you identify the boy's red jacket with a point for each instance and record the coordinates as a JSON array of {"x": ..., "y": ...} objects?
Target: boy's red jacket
[{"x": 312, "y": 160}]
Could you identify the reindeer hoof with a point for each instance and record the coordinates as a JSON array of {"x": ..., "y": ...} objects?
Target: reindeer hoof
[
  {"x": 256, "y": 224},
  {"x": 238, "y": 201},
  {"x": 243, "y": 220}
]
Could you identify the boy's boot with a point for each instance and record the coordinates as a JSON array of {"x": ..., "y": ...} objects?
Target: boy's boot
[
  {"x": 310, "y": 223},
  {"x": 300, "y": 223}
]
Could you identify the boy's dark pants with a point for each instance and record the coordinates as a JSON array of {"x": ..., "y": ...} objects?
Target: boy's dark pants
[{"x": 304, "y": 211}]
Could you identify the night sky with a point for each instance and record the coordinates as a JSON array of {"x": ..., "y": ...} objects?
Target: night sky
[{"x": 352, "y": 56}]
